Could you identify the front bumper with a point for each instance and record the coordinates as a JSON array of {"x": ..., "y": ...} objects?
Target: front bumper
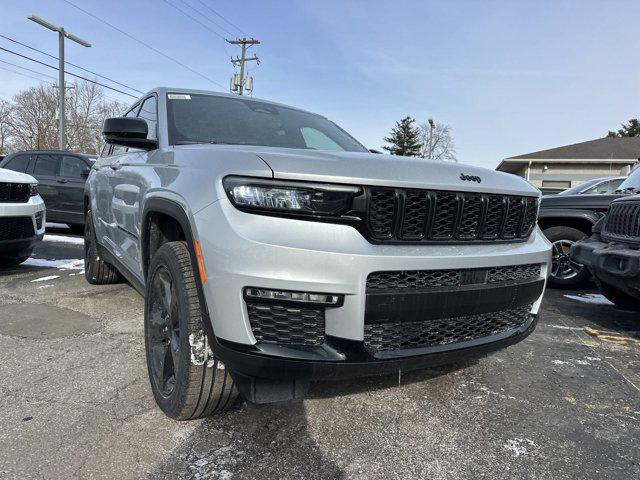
[
  {"x": 35, "y": 210},
  {"x": 616, "y": 264}
]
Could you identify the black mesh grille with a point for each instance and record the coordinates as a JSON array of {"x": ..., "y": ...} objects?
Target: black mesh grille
[
  {"x": 14, "y": 192},
  {"x": 16, "y": 228},
  {"x": 623, "y": 221},
  {"x": 516, "y": 272},
  {"x": 399, "y": 215},
  {"x": 286, "y": 324},
  {"x": 444, "y": 331},
  {"x": 419, "y": 279}
]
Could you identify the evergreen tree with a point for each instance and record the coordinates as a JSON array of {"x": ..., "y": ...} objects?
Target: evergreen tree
[
  {"x": 631, "y": 129},
  {"x": 404, "y": 139}
]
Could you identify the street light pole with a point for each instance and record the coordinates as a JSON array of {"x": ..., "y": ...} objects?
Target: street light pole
[{"x": 62, "y": 34}]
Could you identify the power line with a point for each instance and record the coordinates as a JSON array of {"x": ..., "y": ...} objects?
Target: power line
[
  {"x": 194, "y": 19},
  {"x": 207, "y": 17},
  {"x": 143, "y": 43},
  {"x": 72, "y": 64},
  {"x": 26, "y": 75},
  {"x": 219, "y": 15},
  {"x": 72, "y": 74},
  {"x": 27, "y": 69}
]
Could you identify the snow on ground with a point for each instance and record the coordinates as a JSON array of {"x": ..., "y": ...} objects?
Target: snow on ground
[
  {"x": 66, "y": 264},
  {"x": 57, "y": 225},
  {"x": 64, "y": 239},
  {"x": 593, "y": 298},
  {"x": 44, "y": 279}
]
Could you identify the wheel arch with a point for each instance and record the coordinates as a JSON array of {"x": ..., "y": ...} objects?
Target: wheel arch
[{"x": 582, "y": 220}]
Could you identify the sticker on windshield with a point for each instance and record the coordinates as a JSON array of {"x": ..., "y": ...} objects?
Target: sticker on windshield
[{"x": 178, "y": 96}]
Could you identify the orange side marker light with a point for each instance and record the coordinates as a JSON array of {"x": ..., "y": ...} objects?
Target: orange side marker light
[{"x": 203, "y": 276}]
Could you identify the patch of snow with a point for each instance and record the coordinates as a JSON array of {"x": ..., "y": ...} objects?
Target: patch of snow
[
  {"x": 582, "y": 362},
  {"x": 46, "y": 286},
  {"x": 592, "y": 298},
  {"x": 593, "y": 359},
  {"x": 57, "y": 225},
  {"x": 67, "y": 264},
  {"x": 200, "y": 349},
  {"x": 560, "y": 362},
  {"x": 520, "y": 446},
  {"x": 64, "y": 239},
  {"x": 44, "y": 279}
]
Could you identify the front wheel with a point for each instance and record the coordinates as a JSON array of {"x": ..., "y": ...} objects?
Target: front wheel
[
  {"x": 187, "y": 381},
  {"x": 565, "y": 273}
]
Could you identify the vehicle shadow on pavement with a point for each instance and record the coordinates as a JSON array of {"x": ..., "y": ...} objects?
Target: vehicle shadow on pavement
[
  {"x": 605, "y": 316},
  {"x": 251, "y": 442},
  {"x": 337, "y": 388},
  {"x": 273, "y": 441}
]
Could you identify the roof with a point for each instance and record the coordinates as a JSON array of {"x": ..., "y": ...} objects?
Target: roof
[{"x": 608, "y": 149}]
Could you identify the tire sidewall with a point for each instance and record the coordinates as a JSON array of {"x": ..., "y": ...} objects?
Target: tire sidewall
[{"x": 173, "y": 404}]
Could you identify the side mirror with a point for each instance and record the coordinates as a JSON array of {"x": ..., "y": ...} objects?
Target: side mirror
[
  {"x": 128, "y": 132},
  {"x": 373, "y": 150}
]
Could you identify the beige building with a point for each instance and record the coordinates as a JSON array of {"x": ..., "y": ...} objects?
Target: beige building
[{"x": 563, "y": 167}]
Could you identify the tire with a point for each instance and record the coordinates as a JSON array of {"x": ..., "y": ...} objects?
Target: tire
[
  {"x": 6, "y": 262},
  {"x": 96, "y": 270},
  {"x": 619, "y": 298},
  {"x": 565, "y": 273},
  {"x": 187, "y": 381}
]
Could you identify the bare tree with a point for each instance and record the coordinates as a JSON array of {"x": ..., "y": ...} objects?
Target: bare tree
[
  {"x": 437, "y": 142},
  {"x": 32, "y": 121},
  {"x": 5, "y": 126}
]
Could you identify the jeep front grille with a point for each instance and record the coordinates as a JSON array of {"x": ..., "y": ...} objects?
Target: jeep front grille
[
  {"x": 14, "y": 192},
  {"x": 16, "y": 228},
  {"x": 623, "y": 221},
  {"x": 424, "y": 216},
  {"x": 393, "y": 336},
  {"x": 420, "y": 279},
  {"x": 286, "y": 324}
]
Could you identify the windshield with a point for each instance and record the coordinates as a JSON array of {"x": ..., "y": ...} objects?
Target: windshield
[
  {"x": 200, "y": 118},
  {"x": 632, "y": 183},
  {"x": 578, "y": 188}
]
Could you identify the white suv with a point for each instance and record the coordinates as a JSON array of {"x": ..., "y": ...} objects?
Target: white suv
[
  {"x": 274, "y": 249},
  {"x": 22, "y": 217}
]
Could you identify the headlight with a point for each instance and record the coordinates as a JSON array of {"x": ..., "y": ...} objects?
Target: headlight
[
  {"x": 33, "y": 189},
  {"x": 297, "y": 198}
]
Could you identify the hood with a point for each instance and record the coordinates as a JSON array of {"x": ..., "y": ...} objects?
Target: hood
[
  {"x": 389, "y": 170},
  {"x": 9, "y": 176},
  {"x": 578, "y": 201}
]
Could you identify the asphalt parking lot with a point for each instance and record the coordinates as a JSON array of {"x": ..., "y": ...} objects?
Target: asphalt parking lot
[{"x": 75, "y": 400}]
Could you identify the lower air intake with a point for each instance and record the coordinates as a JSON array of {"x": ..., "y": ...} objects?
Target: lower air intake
[
  {"x": 392, "y": 336},
  {"x": 286, "y": 324}
]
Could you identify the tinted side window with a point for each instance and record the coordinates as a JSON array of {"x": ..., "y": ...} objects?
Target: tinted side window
[
  {"x": 19, "y": 163},
  {"x": 149, "y": 113},
  {"x": 46, "y": 164},
  {"x": 72, "y": 167}
]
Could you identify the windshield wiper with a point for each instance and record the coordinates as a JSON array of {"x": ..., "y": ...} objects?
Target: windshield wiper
[
  {"x": 208, "y": 142},
  {"x": 626, "y": 189}
]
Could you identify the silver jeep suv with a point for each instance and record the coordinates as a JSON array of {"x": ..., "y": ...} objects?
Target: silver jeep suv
[{"x": 273, "y": 249}]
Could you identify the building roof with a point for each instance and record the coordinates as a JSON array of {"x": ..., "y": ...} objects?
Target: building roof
[{"x": 608, "y": 149}]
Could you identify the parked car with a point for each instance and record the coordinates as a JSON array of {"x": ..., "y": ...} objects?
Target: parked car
[
  {"x": 273, "y": 249},
  {"x": 61, "y": 177},
  {"x": 22, "y": 217},
  {"x": 595, "y": 186},
  {"x": 568, "y": 217},
  {"x": 612, "y": 253}
]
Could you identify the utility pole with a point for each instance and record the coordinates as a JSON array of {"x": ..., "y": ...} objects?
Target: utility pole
[
  {"x": 431, "y": 127},
  {"x": 245, "y": 44},
  {"x": 62, "y": 34}
]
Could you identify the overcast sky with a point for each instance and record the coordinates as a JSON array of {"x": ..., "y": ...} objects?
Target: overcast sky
[{"x": 509, "y": 77}]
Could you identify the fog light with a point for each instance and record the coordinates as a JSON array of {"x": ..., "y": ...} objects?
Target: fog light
[
  {"x": 39, "y": 216},
  {"x": 326, "y": 299}
]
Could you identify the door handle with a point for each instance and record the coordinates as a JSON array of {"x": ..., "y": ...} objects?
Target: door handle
[
  {"x": 115, "y": 166},
  {"x": 61, "y": 180}
]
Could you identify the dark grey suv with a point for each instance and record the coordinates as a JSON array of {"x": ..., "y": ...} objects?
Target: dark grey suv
[{"x": 61, "y": 177}]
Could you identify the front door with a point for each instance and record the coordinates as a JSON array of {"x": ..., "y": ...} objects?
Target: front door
[{"x": 71, "y": 179}]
